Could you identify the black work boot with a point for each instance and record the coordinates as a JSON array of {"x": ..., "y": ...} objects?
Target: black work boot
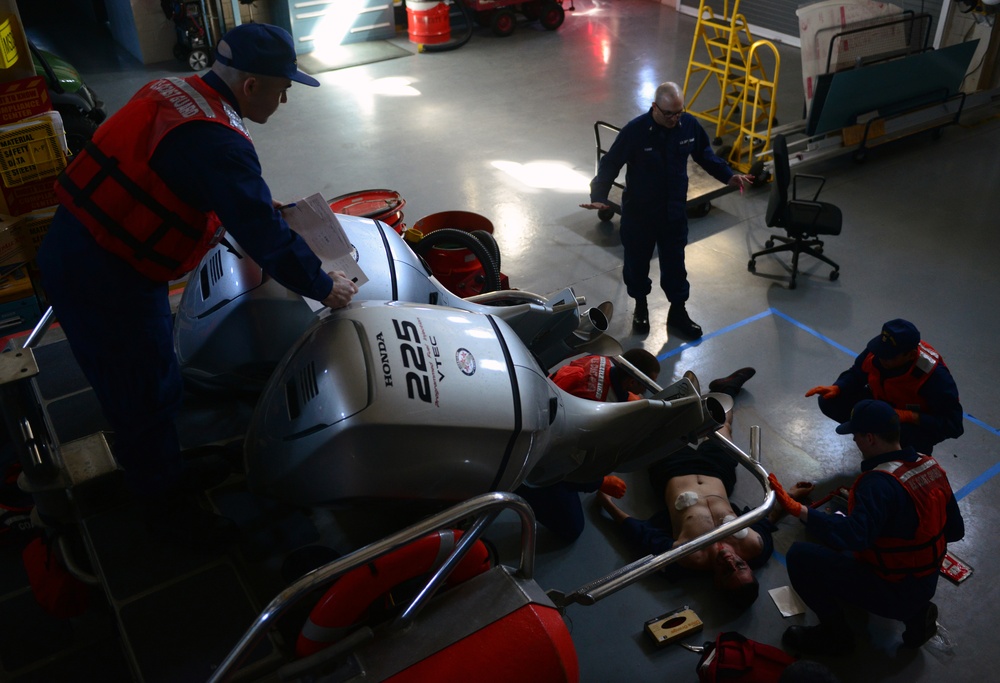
[
  {"x": 732, "y": 384},
  {"x": 922, "y": 627},
  {"x": 640, "y": 318},
  {"x": 681, "y": 322}
]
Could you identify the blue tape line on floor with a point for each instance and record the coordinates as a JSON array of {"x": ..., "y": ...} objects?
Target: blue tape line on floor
[
  {"x": 712, "y": 335},
  {"x": 964, "y": 491},
  {"x": 977, "y": 482},
  {"x": 806, "y": 328}
]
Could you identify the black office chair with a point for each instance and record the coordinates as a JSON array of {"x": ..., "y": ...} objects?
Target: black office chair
[{"x": 802, "y": 219}]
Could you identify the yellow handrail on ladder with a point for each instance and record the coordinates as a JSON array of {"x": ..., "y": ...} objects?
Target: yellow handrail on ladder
[
  {"x": 727, "y": 42},
  {"x": 757, "y": 110}
]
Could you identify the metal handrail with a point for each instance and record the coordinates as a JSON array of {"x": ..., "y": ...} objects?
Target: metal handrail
[
  {"x": 629, "y": 574},
  {"x": 41, "y": 327},
  {"x": 487, "y": 506}
]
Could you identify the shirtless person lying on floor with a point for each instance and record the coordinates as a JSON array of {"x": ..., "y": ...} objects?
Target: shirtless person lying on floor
[{"x": 697, "y": 484}]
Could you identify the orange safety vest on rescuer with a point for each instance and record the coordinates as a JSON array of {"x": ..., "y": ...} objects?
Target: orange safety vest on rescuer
[
  {"x": 126, "y": 206},
  {"x": 902, "y": 392},
  {"x": 928, "y": 487}
]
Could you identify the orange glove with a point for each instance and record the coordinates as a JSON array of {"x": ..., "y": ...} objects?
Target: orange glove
[
  {"x": 792, "y": 506},
  {"x": 613, "y": 486},
  {"x": 907, "y": 416},
  {"x": 829, "y": 392}
]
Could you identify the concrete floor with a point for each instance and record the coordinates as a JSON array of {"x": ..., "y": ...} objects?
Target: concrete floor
[{"x": 504, "y": 128}]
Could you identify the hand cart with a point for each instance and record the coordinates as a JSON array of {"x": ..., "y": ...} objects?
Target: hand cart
[{"x": 702, "y": 188}]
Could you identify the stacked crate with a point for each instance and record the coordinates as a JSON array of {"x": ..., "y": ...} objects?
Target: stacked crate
[{"x": 32, "y": 153}]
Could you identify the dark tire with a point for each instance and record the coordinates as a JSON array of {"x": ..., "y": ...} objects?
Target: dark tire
[
  {"x": 760, "y": 174},
  {"x": 752, "y": 266},
  {"x": 79, "y": 128},
  {"x": 198, "y": 60},
  {"x": 834, "y": 275},
  {"x": 606, "y": 214},
  {"x": 552, "y": 15},
  {"x": 503, "y": 23},
  {"x": 768, "y": 244},
  {"x": 700, "y": 210}
]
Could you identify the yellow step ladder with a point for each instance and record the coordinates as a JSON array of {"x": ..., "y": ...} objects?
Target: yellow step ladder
[
  {"x": 723, "y": 55},
  {"x": 758, "y": 110}
]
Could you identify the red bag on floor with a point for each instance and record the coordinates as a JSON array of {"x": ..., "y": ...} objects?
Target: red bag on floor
[
  {"x": 735, "y": 658},
  {"x": 58, "y": 592}
]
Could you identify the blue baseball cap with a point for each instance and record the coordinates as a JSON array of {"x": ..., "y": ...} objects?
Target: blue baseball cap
[
  {"x": 898, "y": 336},
  {"x": 261, "y": 49},
  {"x": 871, "y": 417}
]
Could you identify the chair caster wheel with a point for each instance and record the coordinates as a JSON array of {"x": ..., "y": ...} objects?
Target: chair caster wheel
[
  {"x": 792, "y": 285},
  {"x": 752, "y": 266},
  {"x": 768, "y": 244},
  {"x": 834, "y": 275}
]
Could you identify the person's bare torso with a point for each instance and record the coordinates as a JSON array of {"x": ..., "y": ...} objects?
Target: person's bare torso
[{"x": 704, "y": 506}]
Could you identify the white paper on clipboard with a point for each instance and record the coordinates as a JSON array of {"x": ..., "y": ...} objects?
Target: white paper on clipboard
[{"x": 314, "y": 220}]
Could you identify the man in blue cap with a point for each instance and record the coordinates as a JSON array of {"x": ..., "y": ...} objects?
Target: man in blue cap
[
  {"x": 884, "y": 556},
  {"x": 906, "y": 372},
  {"x": 138, "y": 208}
]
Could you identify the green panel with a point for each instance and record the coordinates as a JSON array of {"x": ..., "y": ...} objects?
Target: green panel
[{"x": 888, "y": 87}]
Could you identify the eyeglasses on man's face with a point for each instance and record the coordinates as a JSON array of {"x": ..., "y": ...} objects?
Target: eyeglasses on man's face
[{"x": 668, "y": 114}]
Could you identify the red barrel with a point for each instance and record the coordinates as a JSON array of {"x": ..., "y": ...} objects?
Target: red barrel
[
  {"x": 456, "y": 267},
  {"x": 380, "y": 205},
  {"x": 428, "y": 22}
]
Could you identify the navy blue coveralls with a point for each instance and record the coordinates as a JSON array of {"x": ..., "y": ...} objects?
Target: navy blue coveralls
[
  {"x": 828, "y": 575},
  {"x": 119, "y": 323},
  {"x": 942, "y": 420},
  {"x": 654, "y": 203}
]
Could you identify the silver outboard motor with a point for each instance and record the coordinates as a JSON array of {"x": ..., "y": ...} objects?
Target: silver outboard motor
[
  {"x": 384, "y": 401},
  {"x": 234, "y": 323}
]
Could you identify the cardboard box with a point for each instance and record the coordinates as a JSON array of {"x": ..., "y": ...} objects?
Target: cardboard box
[
  {"x": 19, "y": 315},
  {"x": 32, "y": 196},
  {"x": 23, "y": 98},
  {"x": 20, "y": 236},
  {"x": 15, "y": 284}
]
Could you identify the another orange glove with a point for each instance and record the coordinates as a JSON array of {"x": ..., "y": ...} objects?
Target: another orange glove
[
  {"x": 613, "y": 486},
  {"x": 792, "y": 506},
  {"x": 907, "y": 416},
  {"x": 829, "y": 392}
]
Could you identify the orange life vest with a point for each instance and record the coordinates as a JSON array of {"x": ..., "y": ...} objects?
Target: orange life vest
[
  {"x": 125, "y": 205},
  {"x": 926, "y": 483},
  {"x": 903, "y": 392},
  {"x": 588, "y": 377}
]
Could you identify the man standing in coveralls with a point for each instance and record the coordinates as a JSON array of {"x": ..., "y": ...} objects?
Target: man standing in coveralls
[{"x": 656, "y": 147}]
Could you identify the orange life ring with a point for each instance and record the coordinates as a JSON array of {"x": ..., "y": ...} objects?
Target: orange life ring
[{"x": 350, "y": 595}]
